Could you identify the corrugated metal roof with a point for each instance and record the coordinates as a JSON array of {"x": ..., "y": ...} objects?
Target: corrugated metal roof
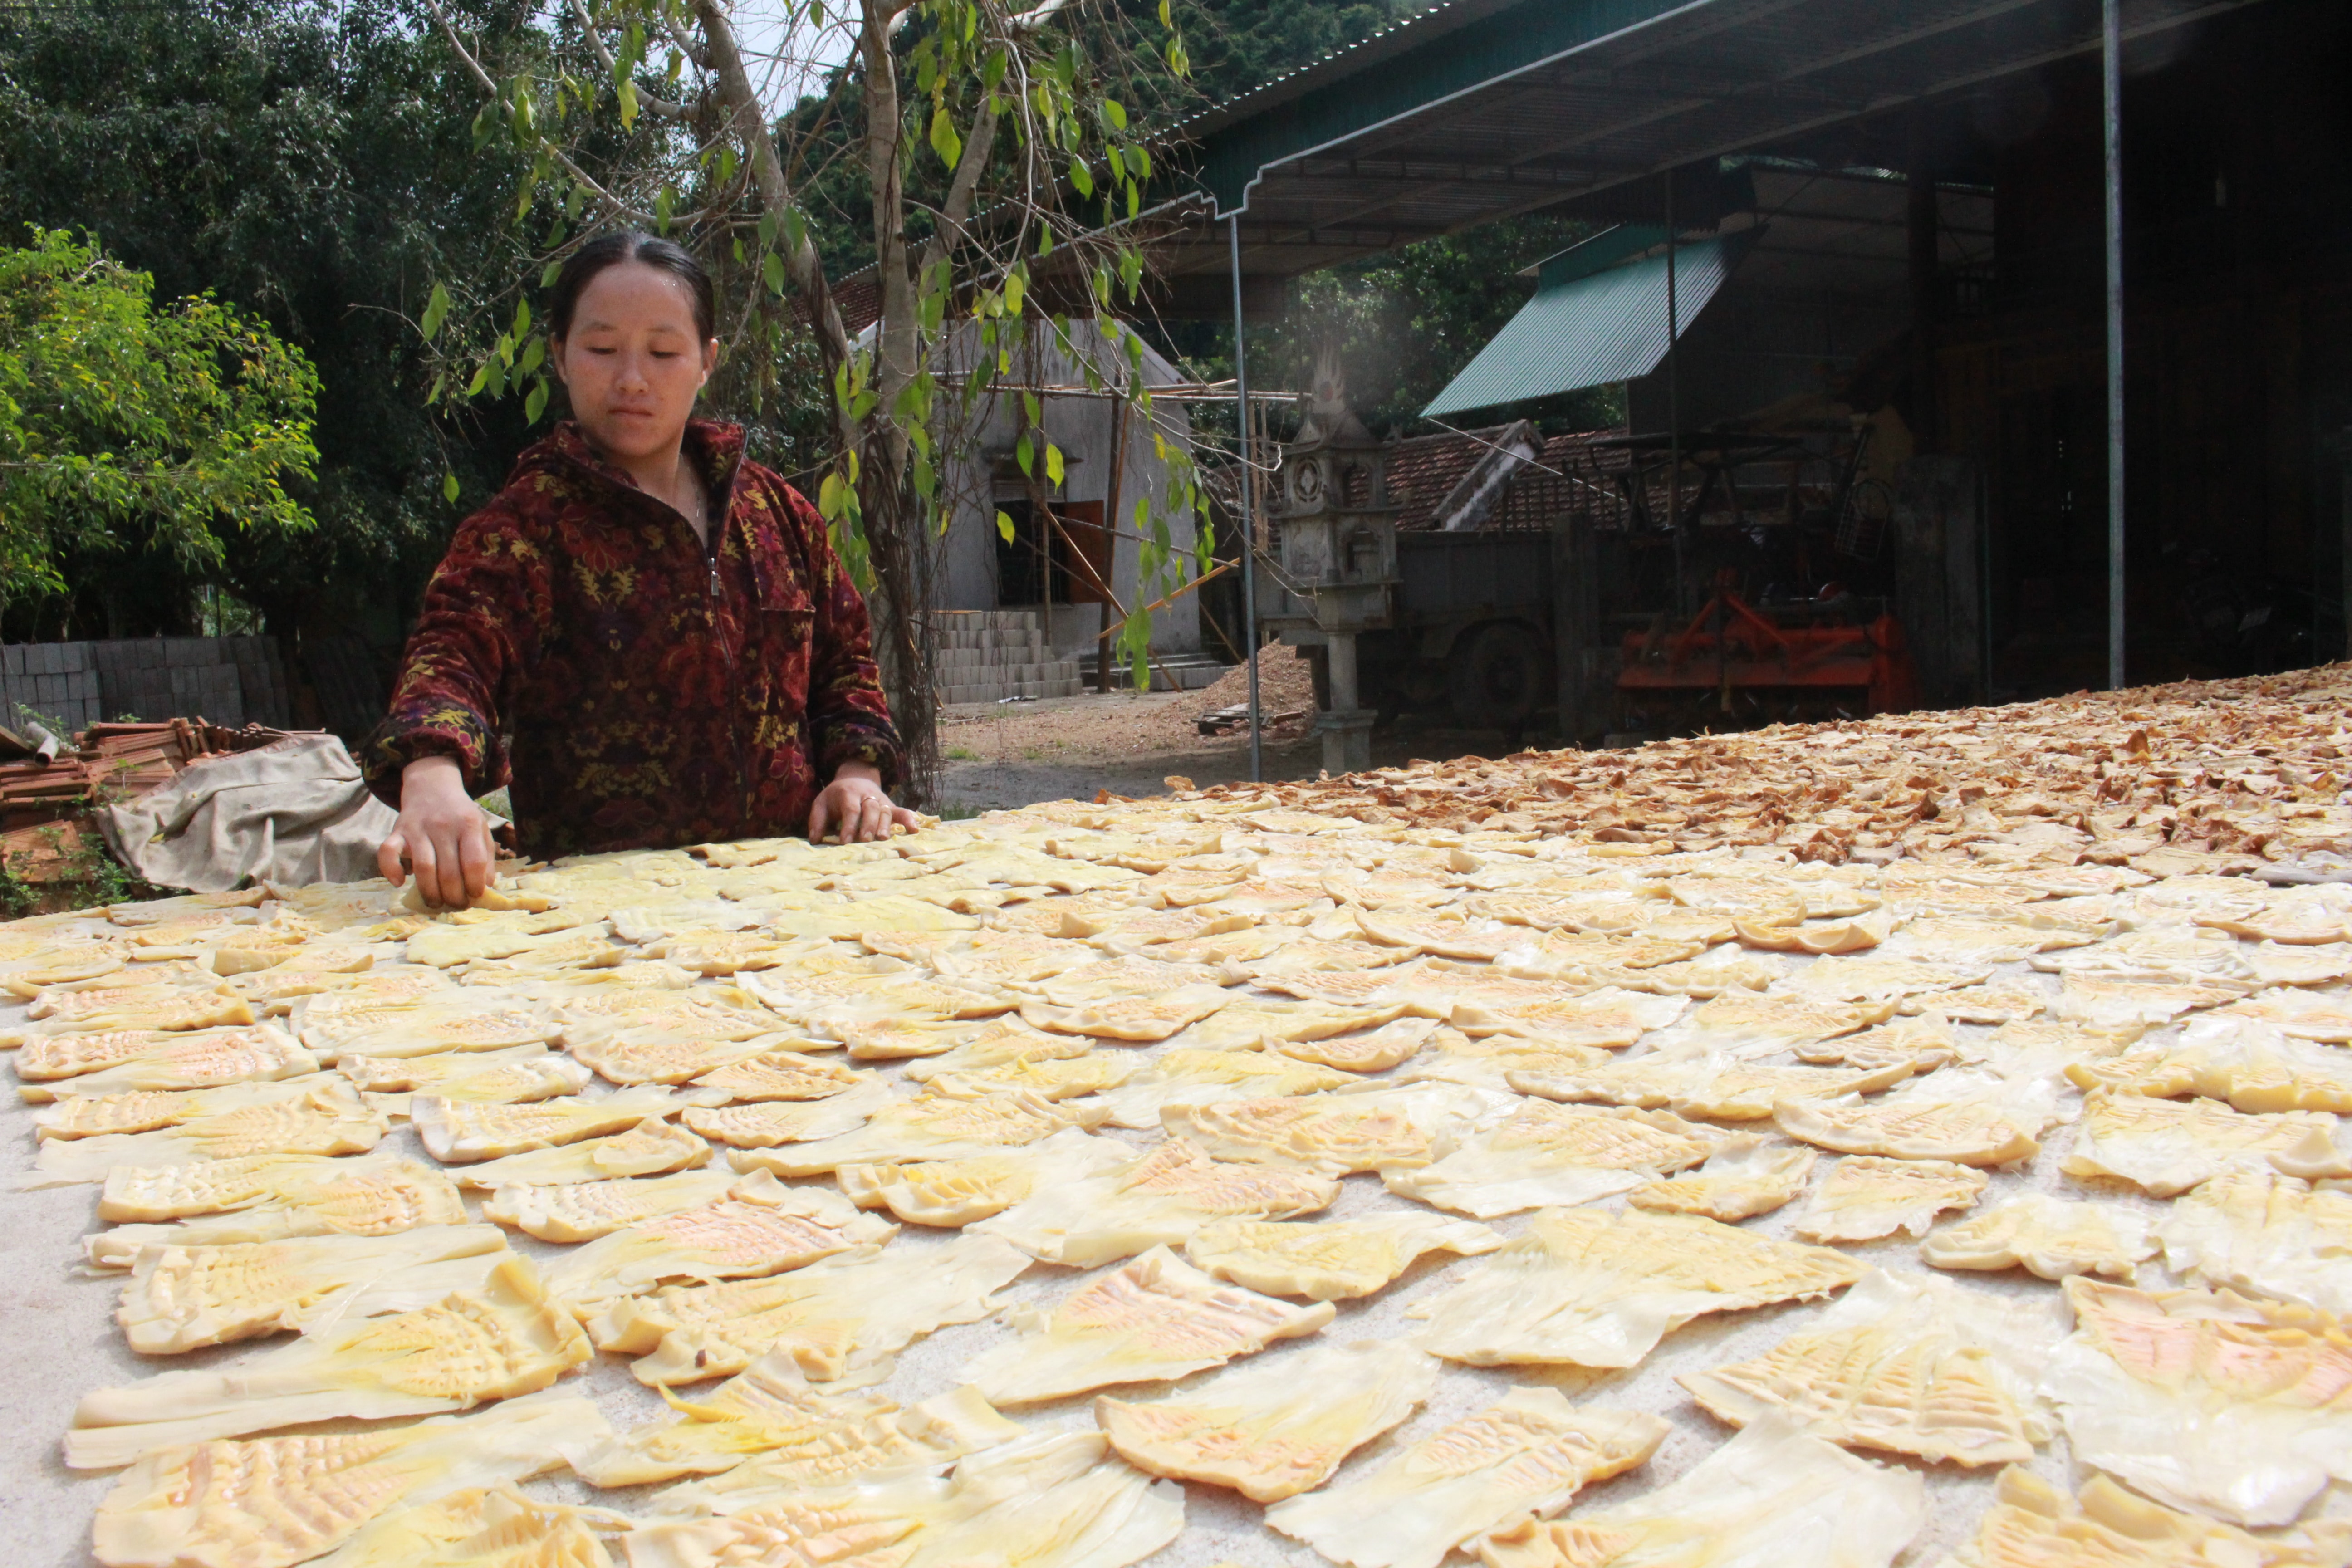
[
  {"x": 1593, "y": 330},
  {"x": 1477, "y": 110}
]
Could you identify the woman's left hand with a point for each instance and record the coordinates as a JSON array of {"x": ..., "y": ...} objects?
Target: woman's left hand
[{"x": 854, "y": 810}]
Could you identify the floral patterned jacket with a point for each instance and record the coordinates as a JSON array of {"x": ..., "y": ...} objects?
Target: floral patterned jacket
[{"x": 636, "y": 689}]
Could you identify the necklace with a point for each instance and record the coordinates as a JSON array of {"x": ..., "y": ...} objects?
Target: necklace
[{"x": 694, "y": 503}]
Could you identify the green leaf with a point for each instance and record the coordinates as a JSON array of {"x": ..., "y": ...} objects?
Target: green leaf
[
  {"x": 449, "y": 489},
  {"x": 1082, "y": 178},
  {"x": 481, "y": 379},
  {"x": 536, "y": 403},
  {"x": 1013, "y": 291},
  {"x": 1025, "y": 455},
  {"x": 628, "y": 97},
  {"x": 772, "y": 267},
  {"x": 436, "y": 310},
  {"x": 1003, "y": 522},
  {"x": 829, "y": 495},
  {"x": 768, "y": 230},
  {"x": 1165, "y": 20},
  {"x": 1114, "y": 113},
  {"x": 549, "y": 273},
  {"x": 944, "y": 140},
  {"x": 522, "y": 317},
  {"x": 1053, "y": 463}
]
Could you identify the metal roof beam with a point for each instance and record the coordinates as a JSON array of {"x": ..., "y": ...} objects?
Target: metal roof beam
[
  {"x": 1749, "y": 139},
  {"x": 1431, "y": 171}
]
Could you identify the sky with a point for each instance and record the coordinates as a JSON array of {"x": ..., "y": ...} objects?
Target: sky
[{"x": 788, "y": 61}]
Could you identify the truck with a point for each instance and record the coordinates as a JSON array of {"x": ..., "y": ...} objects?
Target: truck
[{"x": 1608, "y": 618}]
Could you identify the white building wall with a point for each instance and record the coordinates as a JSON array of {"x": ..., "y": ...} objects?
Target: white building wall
[{"x": 1086, "y": 429}]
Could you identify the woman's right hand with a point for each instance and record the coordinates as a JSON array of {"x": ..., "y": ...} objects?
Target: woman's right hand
[{"x": 442, "y": 835}]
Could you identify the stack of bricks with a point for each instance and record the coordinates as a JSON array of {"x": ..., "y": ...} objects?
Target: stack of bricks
[
  {"x": 49, "y": 683},
  {"x": 986, "y": 656},
  {"x": 231, "y": 681}
]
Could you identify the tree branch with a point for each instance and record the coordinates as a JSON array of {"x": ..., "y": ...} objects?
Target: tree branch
[
  {"x": 894, "y": 334},
  {"x": 962, "y": 189},
  {"x": 807, "y": 268},
  {"x": 695, "y": 52},
  {"x": 611, "y": 203},
  {"x": 660, "y": 106}
]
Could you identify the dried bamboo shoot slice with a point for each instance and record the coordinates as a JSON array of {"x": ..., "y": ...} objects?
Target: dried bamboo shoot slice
[
  {"x": 273, "y": 1502},
  {"x": 848, "y": 1315},
  {"x": 180, "y": 1298},
  {"x": 1156, "y": 1199},
  {"x": 1911, "y": 1366},
  {"x": 1153, "y": 1319},
  {"x": 1529, "y": 1452},
  {"x": 1330, "y": 1260},
  {"x": 1277, "y": 1427},
  {"x": 1770, "y": 1495},
  {"x": 1596, "y": 1289},
  {"x": 507, "y": 1339}
]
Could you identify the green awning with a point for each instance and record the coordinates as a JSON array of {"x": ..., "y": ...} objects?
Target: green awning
[{"x": 1592, "y": 323}]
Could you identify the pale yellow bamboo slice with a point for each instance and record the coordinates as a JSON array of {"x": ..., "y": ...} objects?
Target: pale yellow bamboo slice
[
  {"x": 1272, "y": 1429},
  {"x": 506, "y": 1340},
  {"x": 1589, "y": 1289},
  {"x": 1528, "y": 1454},
  {"x": 847, "y": 1317},
  {"x": 274, "y": 1502},
  {"x": 1153, "y": 1319},
  {"x": 1770, "y": 1495}
]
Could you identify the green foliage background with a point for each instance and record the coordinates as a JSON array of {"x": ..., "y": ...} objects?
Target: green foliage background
[
  {"x": 127, "y": 426},
  {"x": 313, "y": 164},
  {"x": 310, "y": 161}
]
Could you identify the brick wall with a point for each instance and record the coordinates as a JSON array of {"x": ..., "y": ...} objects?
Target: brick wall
[{"x": 231, "y": 681}]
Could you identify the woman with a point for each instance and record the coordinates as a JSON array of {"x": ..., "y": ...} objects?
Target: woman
[{"x": 648, "y": 637}]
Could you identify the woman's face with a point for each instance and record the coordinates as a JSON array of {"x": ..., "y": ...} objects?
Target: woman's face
[{"x": 633, "y": 361}]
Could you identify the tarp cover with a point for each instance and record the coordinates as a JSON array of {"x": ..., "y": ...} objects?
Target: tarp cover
[{"x": 292, "y": 812}]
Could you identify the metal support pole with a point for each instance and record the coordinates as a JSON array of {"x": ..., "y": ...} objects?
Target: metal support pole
[
  {"x": 1675, "y": 405},
  {"x": 2113, "y": 61},
  {"x": 1249, "y": 506}
]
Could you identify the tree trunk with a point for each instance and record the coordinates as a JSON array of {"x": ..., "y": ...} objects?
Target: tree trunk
[
  {"x": 896, "y": 539},
  {"x": 899, "y": 545}
]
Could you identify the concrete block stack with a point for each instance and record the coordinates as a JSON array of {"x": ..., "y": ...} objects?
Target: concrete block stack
[
  {"x": 986, "y": 656},
  {"x": 230, "y": 681},
  {"x": 50, "y": 683}
]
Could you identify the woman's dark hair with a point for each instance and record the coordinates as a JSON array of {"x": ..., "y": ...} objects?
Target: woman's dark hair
[{"x": 631, "y": 244}]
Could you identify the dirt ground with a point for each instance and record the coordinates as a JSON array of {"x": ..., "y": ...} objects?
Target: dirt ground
[{"x": 1130, "y": 743}]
